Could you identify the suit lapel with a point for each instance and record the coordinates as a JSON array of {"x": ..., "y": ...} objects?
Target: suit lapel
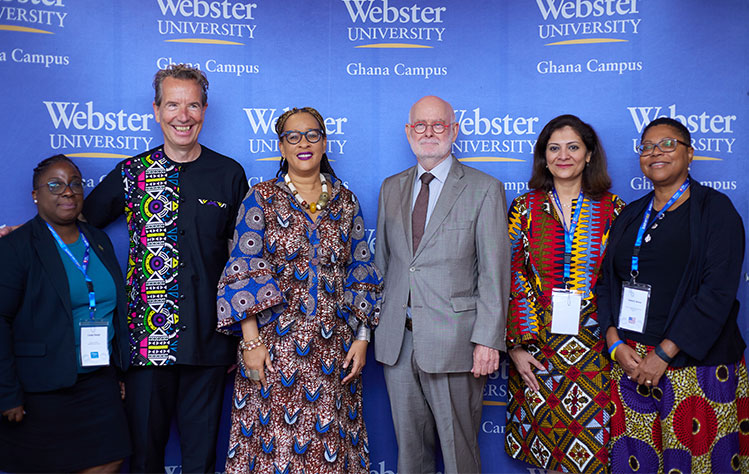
[
  {"x": 407, "y": 192},
  {"x": 46, "y": 248},
  {"x": 454, "y": 185}
]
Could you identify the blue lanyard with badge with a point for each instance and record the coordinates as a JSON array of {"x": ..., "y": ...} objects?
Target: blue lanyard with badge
[
  {"x": 94, "y": 333},
  {"x": 633, "y": 312},
  {"x": 566, "y": 302}
]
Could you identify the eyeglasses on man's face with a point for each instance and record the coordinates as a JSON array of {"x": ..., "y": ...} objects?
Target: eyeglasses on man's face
[
  {"x": 437, "y": 127},
  {"x": 58, "y": 187},
  {"x": 665, "y": 146},
  {"x": 295, "y": 136}
]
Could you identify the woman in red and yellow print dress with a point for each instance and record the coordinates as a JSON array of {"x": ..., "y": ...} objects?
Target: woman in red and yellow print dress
[{"x": 557, "y": 415}]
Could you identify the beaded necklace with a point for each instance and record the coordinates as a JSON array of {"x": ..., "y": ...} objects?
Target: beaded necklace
[{"x": 313, "y": 207}]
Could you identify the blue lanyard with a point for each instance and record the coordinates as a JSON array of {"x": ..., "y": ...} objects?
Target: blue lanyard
[
  {"x": 83, "y": 267},
  {"x": 646, "y": 222},
  {"x": 569, "y": 234}
]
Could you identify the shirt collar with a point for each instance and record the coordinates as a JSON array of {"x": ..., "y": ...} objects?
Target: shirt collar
[{"x": 440, "y": 171}]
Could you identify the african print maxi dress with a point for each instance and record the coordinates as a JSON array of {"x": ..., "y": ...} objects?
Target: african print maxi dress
[
  {"x": 565, "y": 426},
  {"x": 310, "y": 284}
]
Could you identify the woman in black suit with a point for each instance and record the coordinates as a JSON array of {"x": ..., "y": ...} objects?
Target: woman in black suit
[
  {"x": 668, "y": 309},
  {"x": 62, "y": 329}
]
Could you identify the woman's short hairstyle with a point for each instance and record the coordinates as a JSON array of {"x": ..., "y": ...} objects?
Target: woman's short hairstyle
[
  {"x": 281, "y": 123},
  {"x": 596, "y": 179},
  {"x": 46, "y": 163},
  {"x": 183, "y": 72},
  {"x": 680, "y": 128}
]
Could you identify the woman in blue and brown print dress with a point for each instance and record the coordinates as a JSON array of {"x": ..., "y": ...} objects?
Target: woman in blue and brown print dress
[{"x": 301, "y": 290}]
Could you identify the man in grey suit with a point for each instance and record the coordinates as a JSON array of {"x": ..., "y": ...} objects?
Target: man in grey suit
[{"x": 443, "y": 245}]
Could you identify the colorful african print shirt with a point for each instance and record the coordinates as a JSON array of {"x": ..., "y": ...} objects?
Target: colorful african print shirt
[
  {"x": 180, "y": 217},
  {"x": 152, "y": 195}
]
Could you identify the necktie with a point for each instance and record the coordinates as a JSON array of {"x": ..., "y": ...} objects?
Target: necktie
[{"x": 419, "y": 215}]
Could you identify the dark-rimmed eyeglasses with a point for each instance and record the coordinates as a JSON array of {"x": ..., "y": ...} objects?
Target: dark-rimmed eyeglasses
[
  {"x": 57, "y": 187},
  {"x": 437, "y": 127},
  {"x": 295, "y": 136},
  {"x": 666, "y": 145}
]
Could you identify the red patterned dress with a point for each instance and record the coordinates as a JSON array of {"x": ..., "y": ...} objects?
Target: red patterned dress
[
  {"x": 310, "y": 284},
  {"x": 565, "y": 426}
]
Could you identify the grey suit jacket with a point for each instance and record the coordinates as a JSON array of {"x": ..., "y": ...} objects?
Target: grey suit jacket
[{"x": 459, "y": 278}]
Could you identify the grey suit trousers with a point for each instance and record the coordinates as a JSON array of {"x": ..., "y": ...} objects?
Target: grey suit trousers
[{"x": 425, "y": 406}]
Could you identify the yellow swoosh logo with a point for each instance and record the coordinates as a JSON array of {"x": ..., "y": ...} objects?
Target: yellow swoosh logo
[
  {"x": 204, "y": 41},
  {"x": 491, "y": 159},
  {"x": 393, "y": 45},
  {"x": 588, "y": 41},
  {"x": 24, "y": 29},
  {"x": 494, "y": 404},
  {"x": 96, "y": 155}
]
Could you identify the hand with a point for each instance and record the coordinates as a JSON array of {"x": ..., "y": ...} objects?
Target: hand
[
  {"x": 523, "y": 361},
  {"x": 628, "y": 358},
  {"x": 257, "y": 359},
  {"x": 14, "y": 414},
  {"x": 122, "y": 390},
  {"x": 485, "y": 360},
  {"x": 650, "y": 370},
  {"x": 357, "y": 356},
  {"x": 7, "y": 229}
]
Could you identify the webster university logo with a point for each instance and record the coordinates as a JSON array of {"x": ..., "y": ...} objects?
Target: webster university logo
[
  {"x": 32, "y": 16},
  {"x": 394, "y": 24},
  {"x": 587, "y": 21},
  {"x": 81, "y": 129},
  {"x": 263, "y": 140},
  {"x": 207, "y": 22}
]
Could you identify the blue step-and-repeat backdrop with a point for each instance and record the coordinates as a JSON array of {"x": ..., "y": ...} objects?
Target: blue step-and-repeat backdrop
[{"x": 76, "y": 78}]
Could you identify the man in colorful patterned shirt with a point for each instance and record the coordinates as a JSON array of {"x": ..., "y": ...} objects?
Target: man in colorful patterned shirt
[{"x": 180, "y": 201}]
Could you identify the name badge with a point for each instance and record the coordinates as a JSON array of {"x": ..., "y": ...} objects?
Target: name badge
[
  {"x": 565, "y": 311},
  {"x": 633, "y": 313},
  {"x": 94, "y": 343}
]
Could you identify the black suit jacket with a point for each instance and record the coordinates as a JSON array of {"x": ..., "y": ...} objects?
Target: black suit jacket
[
  {"x": 703, "y": 320},
  {"x": 37, "y": 342}
]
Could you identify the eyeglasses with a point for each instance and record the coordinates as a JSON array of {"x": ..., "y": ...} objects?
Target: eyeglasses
[
  {"x": 295, "y": 136},
  {"x": 58, "y": 187},
  {"x": 437, "y": 127},
  {"x": 666, "y": 145}
]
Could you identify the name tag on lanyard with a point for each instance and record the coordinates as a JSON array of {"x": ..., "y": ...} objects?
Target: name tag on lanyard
[
  {"x": 565, "y": 311},
  {"x": 94, "y": 343},
  {"x": 94, "y": 334},
  {"x": 566, "y": 303},
  {"x": 633, "y": 312}
]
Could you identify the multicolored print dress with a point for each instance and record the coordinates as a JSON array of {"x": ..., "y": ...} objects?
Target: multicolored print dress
[
  {"x": 565, "y": 426},
  {"x": 310, "y": 284}
]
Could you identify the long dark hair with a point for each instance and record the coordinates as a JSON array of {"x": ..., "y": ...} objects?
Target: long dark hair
[
  {"x": 596, "y": 179},
  {"x": 283, "y": 167}
]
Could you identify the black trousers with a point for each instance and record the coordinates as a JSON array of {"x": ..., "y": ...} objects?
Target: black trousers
[{"x": 154, "y": 395}]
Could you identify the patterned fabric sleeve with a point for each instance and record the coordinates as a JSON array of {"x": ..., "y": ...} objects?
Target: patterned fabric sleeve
[
  {"x": 363, "y": 287},
  {"x": 618, "y": 205},
  {"x": 522, "y": 321},
  {"x": 247, "y": 285}
]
